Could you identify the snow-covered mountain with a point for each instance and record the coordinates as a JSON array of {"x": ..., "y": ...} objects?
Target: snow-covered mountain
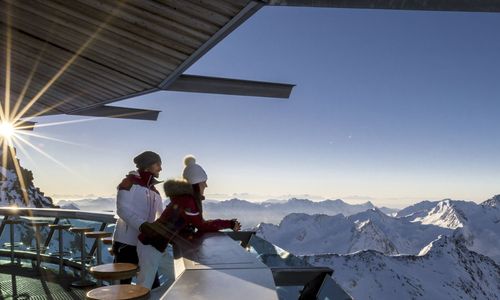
[
  {"x": 388, "y": 210},
  {"x": 69, "y": 205},
  {"x": 372, "y": 229},
  {"x": 445, "y": 269},
  {"x": 12, "y": 192}
]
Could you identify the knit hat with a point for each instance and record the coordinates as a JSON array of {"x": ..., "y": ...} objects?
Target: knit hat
[
  {"x": 146, "y": 159},
  {"x": 193, "y": 172}
]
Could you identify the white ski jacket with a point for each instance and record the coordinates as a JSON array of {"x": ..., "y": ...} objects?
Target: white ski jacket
[{"x": 137, "y": 202}]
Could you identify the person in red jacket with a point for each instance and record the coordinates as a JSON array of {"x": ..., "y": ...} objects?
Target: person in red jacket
[{"x": 181, "y": 220}]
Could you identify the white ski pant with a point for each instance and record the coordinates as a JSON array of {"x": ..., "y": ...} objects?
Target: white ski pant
[{"x": 152, "y": 261}]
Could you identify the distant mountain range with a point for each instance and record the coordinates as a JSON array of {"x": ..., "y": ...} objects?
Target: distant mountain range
[
  {"x": 273, "y": 211},
  {"x": 97, "y": 204},
  {"x": 249, "y": 213}
]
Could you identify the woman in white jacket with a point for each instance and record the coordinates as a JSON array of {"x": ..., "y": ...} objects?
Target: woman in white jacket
[{"x": 137, "y": 202}]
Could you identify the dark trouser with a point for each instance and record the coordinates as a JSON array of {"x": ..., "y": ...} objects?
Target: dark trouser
[{"x": 128, "y": 254}]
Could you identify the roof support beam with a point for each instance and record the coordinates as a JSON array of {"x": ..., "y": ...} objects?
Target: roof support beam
[
  {"x": 26, "y": 125},
  {"x": 118, "y": 112},
  {"x": 226, "y": 86},
  {"x": 430, "y": 5}
]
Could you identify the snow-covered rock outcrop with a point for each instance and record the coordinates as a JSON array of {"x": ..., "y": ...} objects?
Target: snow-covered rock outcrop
[{"x": 11, "y": 188}]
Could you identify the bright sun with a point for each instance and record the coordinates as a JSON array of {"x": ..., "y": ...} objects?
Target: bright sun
[{"x": 7, "y": 129}]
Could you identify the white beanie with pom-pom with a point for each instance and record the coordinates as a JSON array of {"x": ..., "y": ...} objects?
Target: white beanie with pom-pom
[{"x": 193, "y": 172}]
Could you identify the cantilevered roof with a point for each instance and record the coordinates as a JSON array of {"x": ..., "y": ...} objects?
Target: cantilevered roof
[{"x": 76, "y": 57}]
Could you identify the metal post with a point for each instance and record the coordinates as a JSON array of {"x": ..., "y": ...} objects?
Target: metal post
[
  {"x": 12, "y": 243},
  {"x": 83, "y": 257},
  {"x": 38, "y": 256},
  {"x": 2, "y": 226},
  {"x": 49, "y": 235},
  {"x": 99, "y": 254},
  {"x": 94, "y": 245},
  {"x": 61, "y": 253},
  {"x": 99, "y": 258}
]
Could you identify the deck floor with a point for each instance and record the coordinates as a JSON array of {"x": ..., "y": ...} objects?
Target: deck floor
[{"x": 24, "y": 283}]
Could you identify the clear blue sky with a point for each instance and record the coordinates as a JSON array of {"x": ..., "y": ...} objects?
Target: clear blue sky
[{"x": 389, "y": 105}]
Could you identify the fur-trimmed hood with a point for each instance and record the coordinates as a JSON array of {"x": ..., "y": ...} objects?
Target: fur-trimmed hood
[{"x": 177, "y": 187}]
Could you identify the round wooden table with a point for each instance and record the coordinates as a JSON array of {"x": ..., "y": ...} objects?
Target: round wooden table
[
  {"x": 119, "y": 292},
  {"x": 113, "y": 272}
]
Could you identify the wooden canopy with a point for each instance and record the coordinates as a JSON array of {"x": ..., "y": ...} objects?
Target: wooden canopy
[{"x": 74, "y": 57}]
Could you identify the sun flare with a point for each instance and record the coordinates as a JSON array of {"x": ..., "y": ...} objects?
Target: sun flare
[{"x": 7, "y": 130}]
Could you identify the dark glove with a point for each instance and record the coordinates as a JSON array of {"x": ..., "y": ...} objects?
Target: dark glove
[
  {"x": 159, "y": 244},
  {"x": 151, "y": 235},
  {"x": 147, "y": 231}
]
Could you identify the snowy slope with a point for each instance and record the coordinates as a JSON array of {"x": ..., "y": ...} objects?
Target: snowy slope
[
  {"x": 445, "y": 269},
  {"x": 447, "y": 213},
  {"x": 477, "y": 224}
]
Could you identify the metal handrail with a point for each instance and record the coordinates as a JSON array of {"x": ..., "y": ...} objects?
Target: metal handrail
[
  {"x": 58, "y": 214},
  {"x": 103, "y": 217}
]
